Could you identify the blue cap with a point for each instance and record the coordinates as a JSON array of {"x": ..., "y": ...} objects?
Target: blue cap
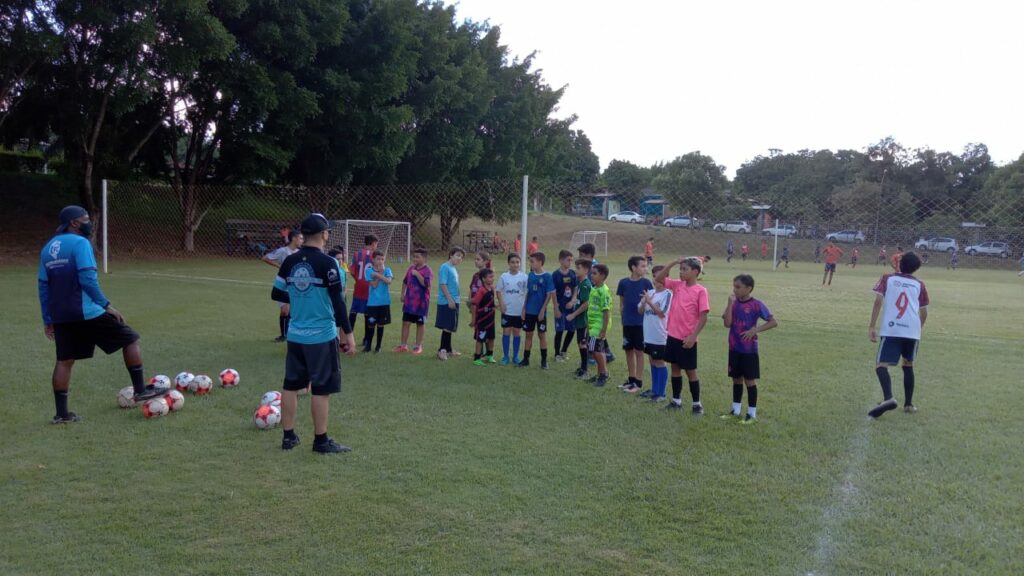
[
  {"x": 314, "y": 224},
  {"x": 69, "y": 213}
]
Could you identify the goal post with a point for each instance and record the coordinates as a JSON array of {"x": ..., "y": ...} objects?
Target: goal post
[
  {"x": 394, "y": 238},
  {"x": 598, "y": 238}
]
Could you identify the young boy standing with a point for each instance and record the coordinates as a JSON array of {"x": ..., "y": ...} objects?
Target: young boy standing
[
  {"x": 832, "y": 254},
  {"x": 631, "y": 293},
  {"x": 532, "y": 246},
  {"x": 482, "y": 260},
  {"x": 599, "y": 307},
  {"x": 565, "y": 295},
  {"x": 744, "y": 250},
  {"x": 649, "y": 251},
  {"x": 294, "y": 242},
  {"x": 415, "y": 300},
  {"x": 511, "y": 295},
  {"x": 483, "y": 319},
  {"x": 740, "y": 317},
  {"x": 540, "y": 291},
  {"x": 361, "y": 291},
  {"x": 378, "y": 302},
  {"x": 903, "y": 302},
  {"x": 687, "y": 317},
  {"x": 578, "y": 316},
  {"x": 447, "y": 318},
  {"x": 655, "y": 306},
  {"x": 338, "y": 253}
]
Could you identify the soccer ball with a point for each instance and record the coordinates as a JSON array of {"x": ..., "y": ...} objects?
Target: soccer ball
[
  {"x": 272, "y": 398},
  {"x": 155, "y": 407},
  {"x": 229, "y": 378},
  {"x": 126, "y": 397},
  {"x": 175, "y": 400},
  {"x": 183, "y": 381},
  {"x": 266, "y": 417},
  {"x": 160, "y": 381},
  {"x": 202, "y": 387}
]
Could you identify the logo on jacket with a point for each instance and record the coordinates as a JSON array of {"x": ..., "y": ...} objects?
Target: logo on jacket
[{"x": 55, "y": 249}]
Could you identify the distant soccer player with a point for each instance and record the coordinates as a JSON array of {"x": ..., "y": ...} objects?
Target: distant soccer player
[
  {"x": 511, "y": 295},
  {"x": 631, "y": 292},
  {"x": 832, "y": 254},
  {"x": 77, "y": 316},
  {"x": 686, "y": 320},
  {"x": 817, "y": 252},
  {"x": 378, "y": 303},
  {"x": 740, "y": 317},
  {"x": 540, "y": 292},
  {"x": 483, "y": 319},
  {"x": 649, "y": 251},
  {"x": 447, "y": 318},
  {"x": 764, "y": 249},
  {"x": 579, "y": 313},
  {"x": 415, "y": 300},
  {"x": 598, "y": 321},
  {"x": 729, "y": 250},
  {"x": 655, "y": 306},
  {"x": 785, "y": 256},
  {"x": 903, "y": 302},
  {"x": 565, "y": 296},
  {"x": 954, "y": 259},
  {"x": 854, "y": 257},
  {"x": 882, "y": 259},
  {"x": 744, "y": 250},
  {"x": 532, "y": 247},
  {"x": 895, "y": 260},
  {"x": 275, "y": 258},
  {"x": 361, "y": 291},
  {"x": 310, "y": 281},
  {"x": 518, "y": 244}
]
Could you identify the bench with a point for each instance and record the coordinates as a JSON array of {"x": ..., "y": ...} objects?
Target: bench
[
  {"x": 253, "y": 237},
  {"x": 477, "y": 240}
]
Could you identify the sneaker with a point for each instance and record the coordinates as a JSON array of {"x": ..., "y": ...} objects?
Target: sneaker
[
  {"x": 442, "y": 354},
  {"x": 634, "y": 390},
  {"x": 560, "y": 358},
  {"x": 515, "y": 361},
  {"x": 455, "y": 353},
  {"x": 697, "y": 410},
  {"x": 479, "y": 362},
  {"x": 625, "y": 385},
  {"x": 491, "y": 360},
  {"x": 646, "y": 394},
  {"x": 417, "y": 350},
  {"x": 580, "y": 374},
  {"x": 728, "y": 415},
  {"x": 658, "y": 399},
  {"x": 280, "y": 339},
  {"x": 543, "y": 364},
  {"x": 504, "y": 361},
  {"x": 330, "y": 447},
  {"x": 289, "y": 443},
  {"x": 524, "y": 364},
  {"x": 882, "y": 408},
  {"x": 748, "y": 420},
  {"x": 910, "y": 408},
  {"x": 366, "y": 349},
  {"x": 150, "y": 391},
  {"x": 400, "y": 348},
  {"x": 71, "y": 417},
  {"x": 601, "y": 381},
  {"x": 673, "y": 406}
]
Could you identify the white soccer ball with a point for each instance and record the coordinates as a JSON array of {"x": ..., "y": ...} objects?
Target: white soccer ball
[
  {"x": 175, "y": 400},
  {"x": 266, "y": 417},
  {"x": 160, "y": 381},
  {"x": 202, "y": 387},
  {"x": 155, "y": 407},
  {"x": 183, "y": 381},
  {"x": 126, "y": 397},
  {"x": 229, "y": 378},
  {"x": 272, "y": 398}
]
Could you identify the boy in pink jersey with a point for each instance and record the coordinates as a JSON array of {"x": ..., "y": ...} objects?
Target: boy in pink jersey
[
  {"x": 903, "y": 301},
  {"x": 687, "y": 316}
]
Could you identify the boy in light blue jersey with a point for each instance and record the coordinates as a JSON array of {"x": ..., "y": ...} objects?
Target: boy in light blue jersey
[
  {"x": 447, "y": 318},
  {"x": 378, "y": 304},
  {"x": 540, "y": 291}
]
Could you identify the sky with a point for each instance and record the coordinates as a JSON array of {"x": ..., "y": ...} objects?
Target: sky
[{"x": 652, "y": 80}]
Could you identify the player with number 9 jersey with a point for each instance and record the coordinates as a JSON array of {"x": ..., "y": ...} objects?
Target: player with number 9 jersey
[{"x": 903, "y": 297}]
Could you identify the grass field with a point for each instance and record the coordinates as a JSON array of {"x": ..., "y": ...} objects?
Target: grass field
[{"x": 458, "y": 469}]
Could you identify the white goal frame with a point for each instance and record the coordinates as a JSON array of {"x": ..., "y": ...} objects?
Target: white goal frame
[
  {"x": 346, "y": 227},
  {"x": 581, "y": 237}
]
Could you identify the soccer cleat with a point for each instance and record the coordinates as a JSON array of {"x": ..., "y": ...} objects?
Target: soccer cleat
[
  {"x": 728, "y": 415},
  {"x": 366, "y": 349},
  {"x": 910, "y": 408},
  {"x": 646, "y": 394},
  {"x": 634, "y": 390},
  {"x": 329, "y": 446},
  {"x": 543, "y": 364},
  {"x": 70, "y": 417},
  {"x": 625, "y": 385},
  {"x": 882, "y": 408},
  {"x": 400, "y": 348},
  {"x": 697, "y": 410},
  {"x": 504, "y": 361},
  {"x": 150, "y": 391},
  {"x": 749, "y": 420},
  {"x": 280, "y": 339},
  {"x": 289, "y": 443},
  {"x": 600, "y": 381},
  {"x": 673, "y": 406},
  {"x": 560, "y": 358},
  {"x": 479, "y": 362},
  {"x": 417, "y": 350},
  {"x": 524, "y": 364},
  {"x": 491, "y": 360},
  {"x": 657, "y": 399},
  {"x": 515, "y": 361},
  {"x": 442, "y": 354},
  {"x": 580, "y": 374}
]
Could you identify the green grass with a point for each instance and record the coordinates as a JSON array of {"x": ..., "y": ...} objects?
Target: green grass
[{"x": 464, "y": 470}]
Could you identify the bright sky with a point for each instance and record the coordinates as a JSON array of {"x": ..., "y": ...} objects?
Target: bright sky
[{"x": 654, "y": 79}]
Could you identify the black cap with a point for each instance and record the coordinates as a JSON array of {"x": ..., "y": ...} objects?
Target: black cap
[
  {"x": 69, "y": 213},
  {"x": 314, "y": 224}
]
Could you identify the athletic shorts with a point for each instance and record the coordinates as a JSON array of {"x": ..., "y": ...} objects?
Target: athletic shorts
[
  {"x": 379, "y": 315},
  {"x": 854, "y": 259},
  {"x": 531, "y": 323},
  {"x": 655, "y": 351},
  {"x": 358, "y": 306},
  {"x": 892, "y": 348},
  {"x": 633, "y": 338},
  {"x": 562, "y": 324},
  {"x": 746, "y": 365},
  {"x": 830, "y": 267},
  {"x": 78, "y": 340},
  {"x": 313, "y": 364},
  {"x": 446, "y": 318},
  {"x": 484, "y": 335},
  {"x": 509, "y": 321},
  {"x": 598, "y": 346},
  {"x": 414, "y": 318},
  {"x": 650, "y": 260},
  {"x": 684, "y": 358}
]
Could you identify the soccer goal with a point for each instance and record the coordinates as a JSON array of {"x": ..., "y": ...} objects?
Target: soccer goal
[
  {"x": 598, "y": 238},
  {"x": 394, "y": 238}
]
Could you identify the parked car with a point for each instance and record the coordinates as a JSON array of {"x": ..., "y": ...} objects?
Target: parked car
[
  {"x": 682, "y": 222},
  {"x": 626, "y": 216},
  {"x": 786, "y": 230},
  {"x": 938, "y": 244},
  {"x": 732, "y": 226},
  {"x": 1001, "y": 249},
  {"x": 845, "y": 236}
]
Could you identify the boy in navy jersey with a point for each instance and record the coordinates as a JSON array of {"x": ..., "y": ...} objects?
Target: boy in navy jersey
[
  {"x": 565, "y": 297},
  {"x": 540, "y": 290}
]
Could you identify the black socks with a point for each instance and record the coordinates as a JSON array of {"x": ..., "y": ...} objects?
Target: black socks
[
  {"x": 737, "y": 393},
  {"x": 320, "y": 438},
  {"x": 885, "y": 381},
  {"x": 136, "y": 374},
  {"x": 677, "y": 387},
  {"x": 446, "y": 341},
  {"x": 526, "y": 354},
  {"x": 60, "y": 400},
  {"x": 752, "y": 396},
  {"x": 568, "y": 341},
  {"x": 695, "y": 391},
  {"x": 282, "y": 323},
  {"x": 583, "y": 359},
  {"x": 558, "y": 342},
  {"x": 368, "y": 332},
  {"x": 289, "y": 434},
  {"x": 543, "y": 354},
  {"x": 380, "y": 336},
  {"x": 908, "y": 385}
]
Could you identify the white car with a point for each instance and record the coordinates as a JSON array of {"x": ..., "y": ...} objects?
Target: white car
[
  {"x": 732, "y": 226},
  {"x": 845, "y": 236},
  {"x": 786, "y": 230},
  {"x": 626, "y": 216},
  {"x": 1001, "y": 249},
  {"x": 681, "y": 222},
  {"x": 938, "y": 244}
]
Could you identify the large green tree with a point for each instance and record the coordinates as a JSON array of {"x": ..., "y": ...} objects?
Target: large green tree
[
  {"x": 628, "y": 181},
  {"x": 692, "y": 183}
]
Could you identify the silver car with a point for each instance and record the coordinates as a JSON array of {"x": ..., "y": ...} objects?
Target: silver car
[
  {"x": 1001, "y": 249},
  {"x": 845, "y": 236},
  {"x": 938, "y": 244},
  {"x": 732, "y": 226}
]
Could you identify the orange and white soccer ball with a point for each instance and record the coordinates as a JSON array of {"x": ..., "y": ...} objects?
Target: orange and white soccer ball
[
  {"x": 229, "y": 378},
  {"x": 202, "y": 387},
  {"x": 160, "y": 381},
  {"x": 126, "y": 397},
  {"x": 266, "y": 417},
  {"x": 272, "y": 398},
  {"x": 183, "y": 381},
  {"x": 155, "y": 407},
  {"x": 175, "y": 400}
]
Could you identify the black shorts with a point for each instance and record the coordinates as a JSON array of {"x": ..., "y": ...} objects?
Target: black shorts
[
  {"x": 655, "y": 351},
  {"x": 447, "y": 319},
  {"x": 508, "y": 321},
  {"x": 598, "y": 346},
  {"x": 892, "y": 348},
  {"x": 684, "y": 358},
  {"x": 318, "y": 365},
  {"x": 633, "y": 338},
  {"x": 414, "y": 318},
  {"x": 650, "y": 260},
  {"x": 531, "y": 323},
  {"x": 746, "y": 365},
  {"x": 830, "y": 267},
  {"x": 484, "y": 335},
  {"x": 78, "y": 340},
  {"x": 379, "y": 315}
]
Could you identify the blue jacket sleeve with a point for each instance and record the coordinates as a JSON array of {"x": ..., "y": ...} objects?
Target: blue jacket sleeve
[
  {"x": 91, "y": 285},
  {"x": 44, "y": 300}
]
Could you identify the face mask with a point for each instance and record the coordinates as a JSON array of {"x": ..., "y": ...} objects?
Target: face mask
[{"x": 85, "y": 229}]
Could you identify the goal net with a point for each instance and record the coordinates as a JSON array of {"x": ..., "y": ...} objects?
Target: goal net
[
  {"x": 598, "y": 238},
  {"x": 394, "y": 238}
]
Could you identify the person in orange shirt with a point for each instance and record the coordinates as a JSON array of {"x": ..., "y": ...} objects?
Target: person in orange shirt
[
  {"x": 518, "y": 244},
  {"x": 649, "y": 251},
  {"x": 832, "y": 254},
  {"x": 532, "y": 247},
  {"x": 764, "y": 249},
  {"x": 895, "y": 260}
]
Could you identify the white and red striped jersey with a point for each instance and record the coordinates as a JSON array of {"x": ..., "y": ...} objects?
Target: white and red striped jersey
[{"x": 904, "y": 297}]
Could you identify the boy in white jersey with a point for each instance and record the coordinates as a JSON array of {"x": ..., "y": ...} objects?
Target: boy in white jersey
[
  {"x": 511, "y": 296},
  {"x": 654, "y": 305},
  {"x": 903, "y": 302}
]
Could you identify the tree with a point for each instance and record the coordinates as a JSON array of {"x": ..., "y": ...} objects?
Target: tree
[
  {"x": 27, "y": 42},
  {"x": 628, "y": 181},
  {"x": 692, "y": 183},
  {"x": 1003, "y": 193}
]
